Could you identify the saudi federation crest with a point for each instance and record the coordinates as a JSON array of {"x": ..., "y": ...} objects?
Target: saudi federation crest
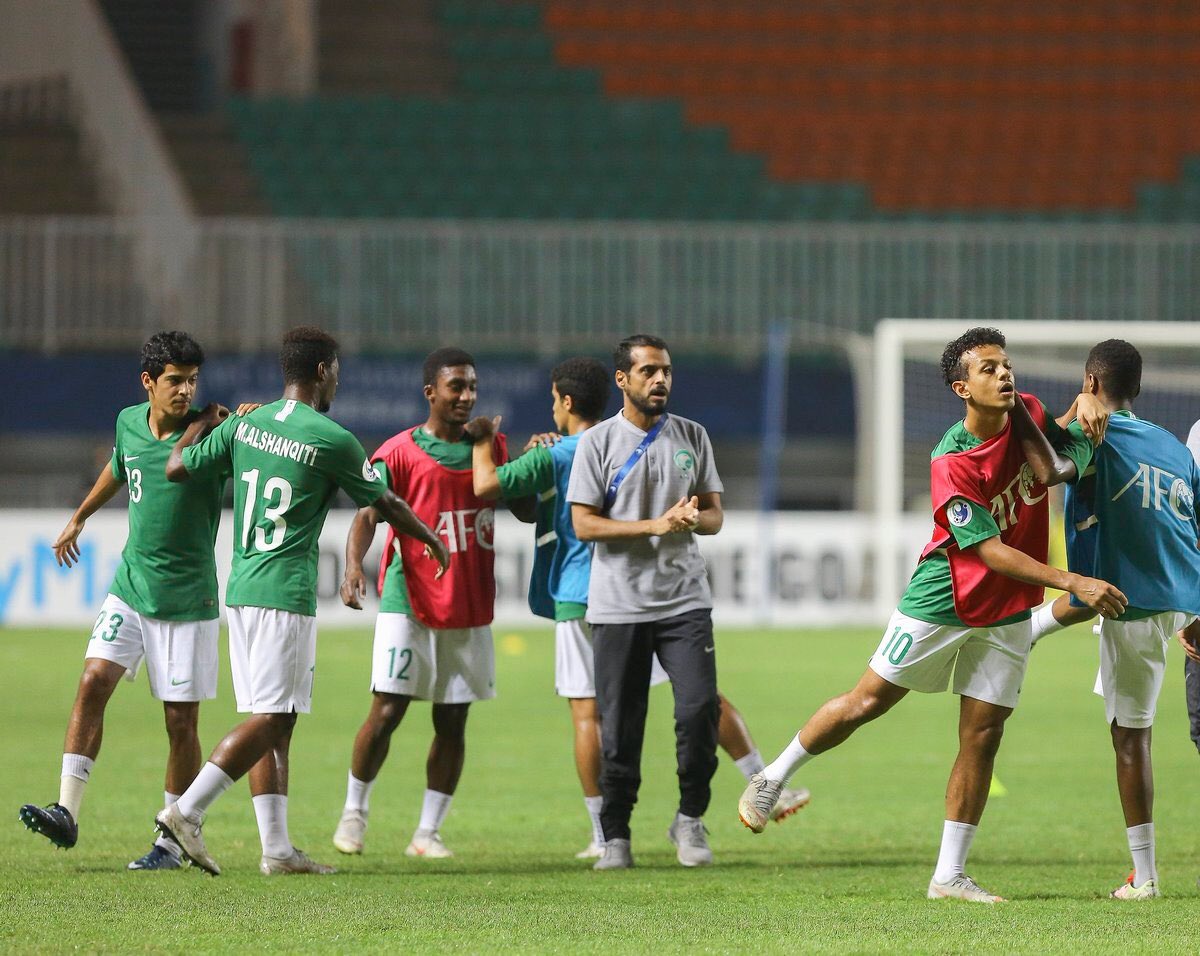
[
  {"x": 685, "y": 461},
  {"x": 369, "y": 473},
  {"x": 958, "y": 512}
]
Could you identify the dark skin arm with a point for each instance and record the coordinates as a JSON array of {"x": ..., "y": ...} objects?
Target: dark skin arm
[
  {"x": 212, "y": 416},
  {"x": 1098, "y": 595},
  {"x": 1048, "y": 465},
  {"x": 396, "y": 512}
]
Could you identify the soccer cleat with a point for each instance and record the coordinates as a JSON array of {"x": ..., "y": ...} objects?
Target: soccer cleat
[
  {"x": 54, "y": 822},
  {"x": 1127, "y": 891},
  {"x": 962, "y": 887},
  {"x": 593, "y": 851},
  {"x": 691, "y": 841},
  {"x": 187, "y": 833},
  {"x": 428, "y": 845},
  {"x": 789, "y": 802},
  {"x": 157, "y": 859},
  {"x": 351, "y": 828},
  {"x": 298, "y": 862},
  {"x": 617, "y": 855},
  {"x": 758, "y": 802}
]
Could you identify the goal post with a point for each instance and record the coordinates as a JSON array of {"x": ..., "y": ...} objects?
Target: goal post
[{"x": 911, "y": 407}]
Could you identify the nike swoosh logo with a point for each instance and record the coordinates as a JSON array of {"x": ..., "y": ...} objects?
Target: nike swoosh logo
[
  {"x": 709, "y": 649},
  {"x": 132, "y": 457},
  {"x": 180, "y": 683}
]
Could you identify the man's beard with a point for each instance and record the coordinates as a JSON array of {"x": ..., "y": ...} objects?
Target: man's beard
[{"x": 644, "y": 405}]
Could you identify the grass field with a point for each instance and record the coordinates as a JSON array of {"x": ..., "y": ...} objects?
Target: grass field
[{"x": 848, "y": 874}]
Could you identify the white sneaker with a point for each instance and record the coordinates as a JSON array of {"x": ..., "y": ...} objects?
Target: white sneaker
[
  {"x": 187, "y": 833},
  {"x": 593, "y": 851},
  {"x": 962, "y": 887},
  {"x": 428, "y": 844},
  {"x": 351, "y": 828},
  {"x": 298, "y": 862},
  {"x": 789, "y": 802},
  {"x": 758, "y": 801},
  {"x": 617, "y": 855},
  {"x": 691, "y": 841},
  {"x": 1127, "y": 891}
]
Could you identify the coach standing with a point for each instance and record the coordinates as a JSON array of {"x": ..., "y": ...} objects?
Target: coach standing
[{"x": 642, "y": 485}]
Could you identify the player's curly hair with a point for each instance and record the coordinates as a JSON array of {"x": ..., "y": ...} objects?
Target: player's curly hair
[
  {"x": 623, "y": 353},
  {"x": 170, "y": 348},
  {"x": 446, "y": 357},
  {"x": 954, "y": 369},
  {"x": 586, "y": 381},
  {"x": 304, "y": 348},
  {"x": 1117, "y": 365}
]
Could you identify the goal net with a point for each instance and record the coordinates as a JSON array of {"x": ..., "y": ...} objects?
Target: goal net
[{"x": 912, "y": 408}]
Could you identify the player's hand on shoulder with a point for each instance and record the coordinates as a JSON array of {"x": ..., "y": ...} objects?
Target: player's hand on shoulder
[
  {"x": 481, "y": 428},
  {"x": 441, "y": 554},
  {"x": 354, "y": 588},
  {"x": 543, "y": 440},
  {"x": 66, "y": 545},
  {"x": 246, "y": 408},
  {"x": 1092, "y": 416},
  {"x": 1101, "y": 596}
]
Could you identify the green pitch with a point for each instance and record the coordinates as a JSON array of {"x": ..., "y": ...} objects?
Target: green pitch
[{"x": 846, "y": 874}]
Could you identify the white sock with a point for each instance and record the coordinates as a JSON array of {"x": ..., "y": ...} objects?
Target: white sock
[
  {"x": 956, "y": 844},
  {"x": 433, "y": 810},
  {"x": 209, "y": 784},
  {"x": 165, "y": 841},
  {"x": 1141, "y": 848},
  {"x": 358, "y": 793},
  {"x": 1044, "y": 622},
  {"x": 593, "y": 805},
  {"x": 787, "y": 763},
  {"x": 750, "y": 764},
  {"x": 76, "y": 768},
  {"x": 271, "y": 811}
]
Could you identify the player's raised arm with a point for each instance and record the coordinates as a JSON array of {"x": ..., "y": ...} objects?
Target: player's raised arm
[
  {"x": 1099, "y": 595},
  {"x": 212, "y": 416},
  {"x": 66, "y": 545},
  {"x": 1050, "y": 467},
  {"x": 482, "y": 432}
]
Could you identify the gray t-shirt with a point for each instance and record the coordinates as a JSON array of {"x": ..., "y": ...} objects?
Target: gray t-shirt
[{"x": 644, "y": 579}]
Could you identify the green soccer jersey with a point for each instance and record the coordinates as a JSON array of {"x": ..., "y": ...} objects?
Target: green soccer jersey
[
  {"x": 287, "y": 461},
  {"x": 167, "y": 570},
  {"x": 450, "y": 454},
  {"x": 930, "y": 593}
]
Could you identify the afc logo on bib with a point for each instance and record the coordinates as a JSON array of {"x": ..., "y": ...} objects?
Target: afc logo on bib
[{"x": 459, "y": 527}]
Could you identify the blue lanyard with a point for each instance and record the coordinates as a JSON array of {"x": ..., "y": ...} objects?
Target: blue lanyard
[{"x": 610, "y": 495}]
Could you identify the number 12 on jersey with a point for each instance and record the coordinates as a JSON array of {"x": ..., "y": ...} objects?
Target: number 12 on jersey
[{"x": 276, "y": 499}]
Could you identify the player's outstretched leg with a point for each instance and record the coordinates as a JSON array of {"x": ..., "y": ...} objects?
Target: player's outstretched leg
[
  {"x": 733, "y": 736},
  {"x": 58, "y": 821},
  {"x": 832, "y": 724}
]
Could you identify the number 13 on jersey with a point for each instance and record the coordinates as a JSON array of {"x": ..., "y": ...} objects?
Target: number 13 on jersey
[{"x": 276, "y": 499}]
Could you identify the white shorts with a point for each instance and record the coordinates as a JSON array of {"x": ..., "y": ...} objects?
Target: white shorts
[
  {"x": 1133, "y": 659},
  {"x": 455, "y": 666},
  {"x": 180, "y": 656},
  {"x": 273, "y": 657},
  {"x": 574, "y": 661},
  {"x": 988, "y": 663}
]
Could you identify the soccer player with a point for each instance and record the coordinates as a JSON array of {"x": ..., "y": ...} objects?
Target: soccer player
[
  {"x": 642, "y": 484},
  {"x": 162, "y": 605},
  {"x": 1130, "y": 517},
  {"x": 558, "y": 584},
  {"x": 287, "y": 460},
  {"x": 965, "y": 613},
  {"x": 433, "y": 641}
]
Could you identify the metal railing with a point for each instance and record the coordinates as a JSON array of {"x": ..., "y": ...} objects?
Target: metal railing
[{"x": 546, "y": 287}]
